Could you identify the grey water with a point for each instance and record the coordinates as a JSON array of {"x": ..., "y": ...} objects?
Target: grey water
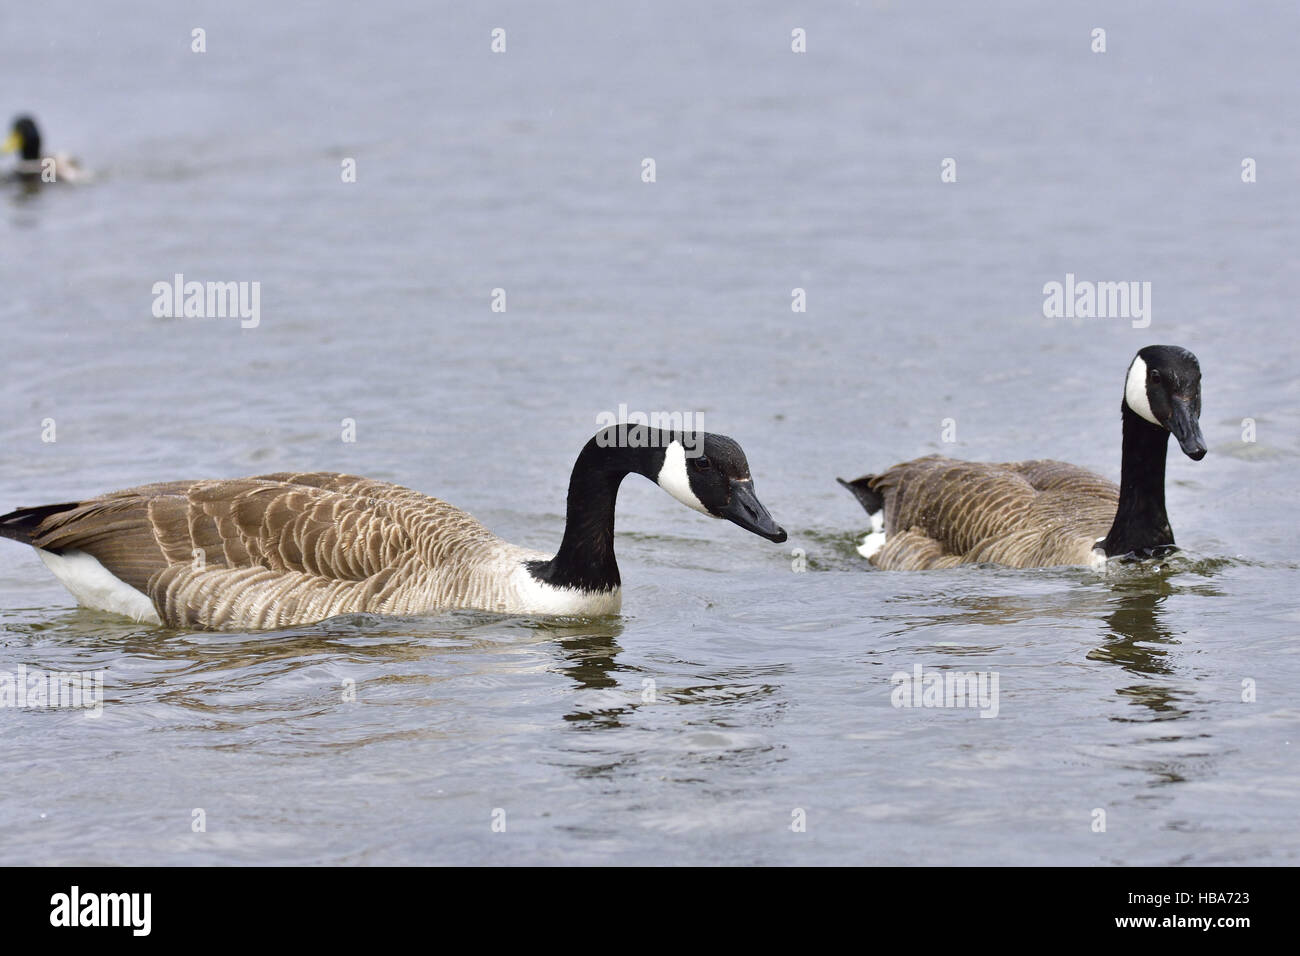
[{"x": 740, "y": 710}]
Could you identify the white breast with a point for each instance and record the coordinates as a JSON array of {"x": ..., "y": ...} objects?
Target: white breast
[{"x": 538, "y": 597}]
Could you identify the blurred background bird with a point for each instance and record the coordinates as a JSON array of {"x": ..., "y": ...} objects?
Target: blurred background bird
[{"x": 25, "y": 139}]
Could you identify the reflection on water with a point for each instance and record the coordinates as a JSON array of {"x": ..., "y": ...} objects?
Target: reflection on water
[
  {"x": 449, "y": 708},
  {"x": 1140, "y": 641},
  {"x": 590, "y": 656},
  {"x": 24, "y": 189},
  {"x": 1140, "y": 644},
  {"x": 1136, "y": 639},
  {"x": 589, "y": 661},
  {"x": 1143, "y": 644}
]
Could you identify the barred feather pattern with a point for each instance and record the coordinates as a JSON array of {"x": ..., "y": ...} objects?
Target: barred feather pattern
[
  {"x": 940, "y": 513},
  {"x": 290, "y": 548}
]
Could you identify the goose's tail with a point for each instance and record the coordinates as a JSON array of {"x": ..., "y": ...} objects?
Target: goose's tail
[
  {"x": 21, "y": 524},
  {"x": 861, "y": 489},
  {"x": 874, "y": 503}
]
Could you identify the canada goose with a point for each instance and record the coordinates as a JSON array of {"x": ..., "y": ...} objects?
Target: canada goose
[
  {"x": 285, "y": 549},
  {"x": 935, "y": 512},
  {"x": 25, "y": 139}
]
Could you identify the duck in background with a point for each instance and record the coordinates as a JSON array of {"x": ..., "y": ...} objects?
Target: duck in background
[{"x": 33, "y": 167}]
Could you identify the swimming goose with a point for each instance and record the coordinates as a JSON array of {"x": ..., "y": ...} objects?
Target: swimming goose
[
  {"x": 25, "y": 139},
  {"x": 285, "y": 549},
  {"x": 935, "y": 512}
]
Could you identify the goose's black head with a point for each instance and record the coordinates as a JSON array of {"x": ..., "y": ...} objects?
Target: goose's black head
[
  {"x": 25, "y": 138},
  {"x": 1164, "y": 388},
  {"x": 710, "y": 474}
]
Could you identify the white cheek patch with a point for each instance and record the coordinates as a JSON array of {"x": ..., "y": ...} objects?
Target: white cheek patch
[
  {"x": 1135, "y": 391},
  {"x": 674, "y": 480}
]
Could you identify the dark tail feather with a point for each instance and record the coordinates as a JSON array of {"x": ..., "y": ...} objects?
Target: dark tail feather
[
  {"x": 21, "y": 524},
  {"x": 870, "y": 499}
]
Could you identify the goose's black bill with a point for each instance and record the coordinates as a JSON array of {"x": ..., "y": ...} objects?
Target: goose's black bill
[
  {"x": 746, "y": 510},
  {"x": 1187, "y": 430}
]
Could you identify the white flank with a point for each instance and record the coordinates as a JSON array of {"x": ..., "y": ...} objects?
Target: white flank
[
  {"x": 93, "y": 585},
  {"x": 876, "y": 540},
  {"x": 674, "y": 479},
  {"x": 871, "y": 544},
  {"x": 1135, "y": 390},
  {"x": 538, "y": 597}
]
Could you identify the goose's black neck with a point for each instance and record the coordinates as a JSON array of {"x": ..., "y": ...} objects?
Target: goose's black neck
[
  {"x": 1141, "y": 525},
  {"x": 586, "y": 556}
]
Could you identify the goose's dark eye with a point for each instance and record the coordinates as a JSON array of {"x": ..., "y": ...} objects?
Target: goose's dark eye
[
  {"x": 701, "y": 463},
  {"x": 1155, "y": 375}
]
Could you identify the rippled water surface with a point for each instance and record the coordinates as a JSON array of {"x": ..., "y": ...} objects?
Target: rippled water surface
[{"x": 737, "y": 695}]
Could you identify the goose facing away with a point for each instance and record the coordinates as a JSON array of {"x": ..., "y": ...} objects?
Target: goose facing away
[
  {"x": 936, "y": 512},
  {"x": 33, "y": 167},
  {"x": 285, "y": 549}
]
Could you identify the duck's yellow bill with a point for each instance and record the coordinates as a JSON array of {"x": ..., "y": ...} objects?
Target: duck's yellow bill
[{"x": 12, "y": 143}]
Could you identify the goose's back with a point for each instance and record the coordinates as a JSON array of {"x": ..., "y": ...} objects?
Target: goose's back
[
  {"x": 940, "y": 512},
  {"x": 286, "y": 548}
]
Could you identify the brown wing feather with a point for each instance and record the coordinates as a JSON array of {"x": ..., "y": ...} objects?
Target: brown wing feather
[
  {"x": 114, "y": 529},
  {"x": 268, "y": 550},
  {"x": 940, "y": 512}
]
